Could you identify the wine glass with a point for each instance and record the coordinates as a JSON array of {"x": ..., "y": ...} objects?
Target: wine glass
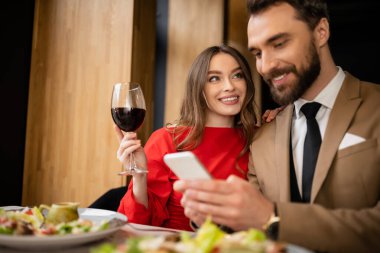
[{"x": 128, "y": 112}]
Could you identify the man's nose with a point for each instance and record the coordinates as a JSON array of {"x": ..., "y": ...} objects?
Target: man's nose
[{"x": 267, "y": 64}]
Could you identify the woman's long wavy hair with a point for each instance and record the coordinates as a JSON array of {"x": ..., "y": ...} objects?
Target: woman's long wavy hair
[{"x": 193, "y": 110}]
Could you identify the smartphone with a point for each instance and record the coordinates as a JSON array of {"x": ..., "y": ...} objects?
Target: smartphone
[{"x": 186, "y": 165}]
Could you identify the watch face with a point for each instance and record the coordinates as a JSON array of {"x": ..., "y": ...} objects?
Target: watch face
[{"x": 272, "y": 231}]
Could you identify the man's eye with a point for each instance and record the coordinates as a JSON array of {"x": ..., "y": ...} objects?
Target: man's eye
[
  {"x": 257, "y": 54},
  {"x": 280, "y": 44},
  {"x": 213, "y": 78}
]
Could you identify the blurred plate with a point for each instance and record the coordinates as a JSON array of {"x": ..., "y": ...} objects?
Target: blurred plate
[
  {"x": 291, "y": 248},
  {"x": 26, "y": 242}
]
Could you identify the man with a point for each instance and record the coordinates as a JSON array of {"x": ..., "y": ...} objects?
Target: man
[{"x": 316, "y": 176}]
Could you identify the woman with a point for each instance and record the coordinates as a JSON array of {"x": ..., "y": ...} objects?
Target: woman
[{"x": 216, "y": 123}]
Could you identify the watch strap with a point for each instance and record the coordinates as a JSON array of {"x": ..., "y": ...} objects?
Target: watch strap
[{"x": 271, "y": 228}]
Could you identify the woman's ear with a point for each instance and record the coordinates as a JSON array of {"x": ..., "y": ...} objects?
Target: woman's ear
[{"x": 322, "y": 32}]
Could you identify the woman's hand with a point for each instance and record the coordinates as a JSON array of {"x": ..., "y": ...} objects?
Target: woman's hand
[
  {"x": 270, "y": 115},
  {"x": 128, "y": 144}
]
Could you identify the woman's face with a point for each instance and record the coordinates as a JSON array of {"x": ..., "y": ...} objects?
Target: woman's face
[{"x": 224, "y": 91}]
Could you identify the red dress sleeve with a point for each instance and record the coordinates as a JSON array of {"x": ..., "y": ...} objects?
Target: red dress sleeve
[{"x": 159, "y": 185}]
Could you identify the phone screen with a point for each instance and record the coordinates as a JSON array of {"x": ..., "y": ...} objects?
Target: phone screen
[{"x": 186, "y": 165}]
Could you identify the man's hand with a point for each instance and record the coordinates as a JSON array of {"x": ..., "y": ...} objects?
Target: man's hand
[{"x": 234, "y": 203}]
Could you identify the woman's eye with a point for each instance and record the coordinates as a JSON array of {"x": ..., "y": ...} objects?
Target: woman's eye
[
  {"x": 213, "y": 78},
  {"x": 238, "y": 76}
]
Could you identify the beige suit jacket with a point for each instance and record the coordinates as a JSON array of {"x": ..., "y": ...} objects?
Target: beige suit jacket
[{"x": 344, "y": 214}]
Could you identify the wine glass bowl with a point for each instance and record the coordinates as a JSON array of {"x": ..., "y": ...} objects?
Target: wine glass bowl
[
  {"x": 128, "y": 112},
  {"x": 128, "y": 119}
]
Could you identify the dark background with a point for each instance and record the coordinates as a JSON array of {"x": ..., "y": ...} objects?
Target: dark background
[
  {"x": 16, "y": 28},
  {"x": 354, "y": 26}
]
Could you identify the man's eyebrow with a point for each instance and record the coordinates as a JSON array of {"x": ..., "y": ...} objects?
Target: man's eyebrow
[
  {"x": 276, "y": 37},
  {"x": 270, "y": 40},
  {"x": 251, "y": 49}
]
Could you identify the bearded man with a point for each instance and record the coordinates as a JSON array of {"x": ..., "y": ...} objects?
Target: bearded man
[{"x": 314, "y": 173}]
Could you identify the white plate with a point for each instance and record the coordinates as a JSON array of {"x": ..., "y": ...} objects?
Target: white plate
[
  {"x": 291, "y": 248},
  {"x": 63, "y": 241}
]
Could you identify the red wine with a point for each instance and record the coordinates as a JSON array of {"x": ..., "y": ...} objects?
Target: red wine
[{"x": 128, "y": 119}]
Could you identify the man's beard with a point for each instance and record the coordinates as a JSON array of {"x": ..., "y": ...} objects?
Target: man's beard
[{"x": 287, "y": 94}]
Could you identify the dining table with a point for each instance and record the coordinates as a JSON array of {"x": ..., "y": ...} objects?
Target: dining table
[
  {"x": 127, "y": 231},
  {"x": 85, "y": 243}
]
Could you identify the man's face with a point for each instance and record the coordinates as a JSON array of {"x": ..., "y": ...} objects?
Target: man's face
[{"x": 286, "y": 56}]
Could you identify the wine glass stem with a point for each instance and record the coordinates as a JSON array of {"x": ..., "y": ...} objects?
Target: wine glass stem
[
  {"x": 132, "y": 163},
  {"x": 133, "y": 169}
]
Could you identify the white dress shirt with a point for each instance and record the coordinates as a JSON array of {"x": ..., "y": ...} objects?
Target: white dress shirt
[{"x": 327, "y": 99}]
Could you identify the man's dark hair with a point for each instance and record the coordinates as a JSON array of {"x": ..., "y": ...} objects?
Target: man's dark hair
[{"x": 309, "y": 11}]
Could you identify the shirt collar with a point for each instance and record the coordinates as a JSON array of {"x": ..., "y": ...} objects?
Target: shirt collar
[{"x": 327, "y": 96}]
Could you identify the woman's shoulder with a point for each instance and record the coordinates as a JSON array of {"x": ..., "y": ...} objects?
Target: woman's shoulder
[
  {"x": 171, "y": 130},
  {"x": 160, "y": 133},
  {"x": 159, "y": 140},
  {"x": 166, "y": 132}
]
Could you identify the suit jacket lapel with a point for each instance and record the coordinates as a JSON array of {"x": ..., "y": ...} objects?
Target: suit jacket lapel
[
  {"x": 283, "y": 127},
  {"x": 345, "y": 107}
]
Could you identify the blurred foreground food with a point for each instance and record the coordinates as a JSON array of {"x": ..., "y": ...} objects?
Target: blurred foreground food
[{"x": 209, "y": 238}]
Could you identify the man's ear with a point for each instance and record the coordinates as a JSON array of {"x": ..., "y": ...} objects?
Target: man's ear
[{"x": 322, "y": 32}]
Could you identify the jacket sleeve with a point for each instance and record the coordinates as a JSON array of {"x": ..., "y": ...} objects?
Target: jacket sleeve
[
  {"x": 352, "y": 230},
  {"x": 251, "y": 175}
]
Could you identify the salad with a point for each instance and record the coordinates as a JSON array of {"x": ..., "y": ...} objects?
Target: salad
[
  {"x": 31, "y": 221},
  {"x": 208, "y": 239}
]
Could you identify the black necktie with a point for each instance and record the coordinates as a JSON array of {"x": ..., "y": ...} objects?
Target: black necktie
[{"x": 310, "y": 148}]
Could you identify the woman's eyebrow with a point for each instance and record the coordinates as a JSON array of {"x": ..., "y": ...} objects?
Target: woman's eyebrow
[{"x": 219, "y": 72}]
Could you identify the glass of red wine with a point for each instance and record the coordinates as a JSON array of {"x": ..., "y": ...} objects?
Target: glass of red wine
[{"x": 128, "y": 112}]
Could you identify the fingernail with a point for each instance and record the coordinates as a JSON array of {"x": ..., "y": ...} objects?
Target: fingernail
[{"x": 178, "y": 185}]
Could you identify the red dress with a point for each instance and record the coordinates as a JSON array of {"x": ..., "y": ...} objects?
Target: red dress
[{"x": 218, "y": 152}]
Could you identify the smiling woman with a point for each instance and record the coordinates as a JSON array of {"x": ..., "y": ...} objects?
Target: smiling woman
[{"x": 216, "y": 123}]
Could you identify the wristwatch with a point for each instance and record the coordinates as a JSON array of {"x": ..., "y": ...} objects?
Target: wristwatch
[{"x": 271, "y": 228}]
